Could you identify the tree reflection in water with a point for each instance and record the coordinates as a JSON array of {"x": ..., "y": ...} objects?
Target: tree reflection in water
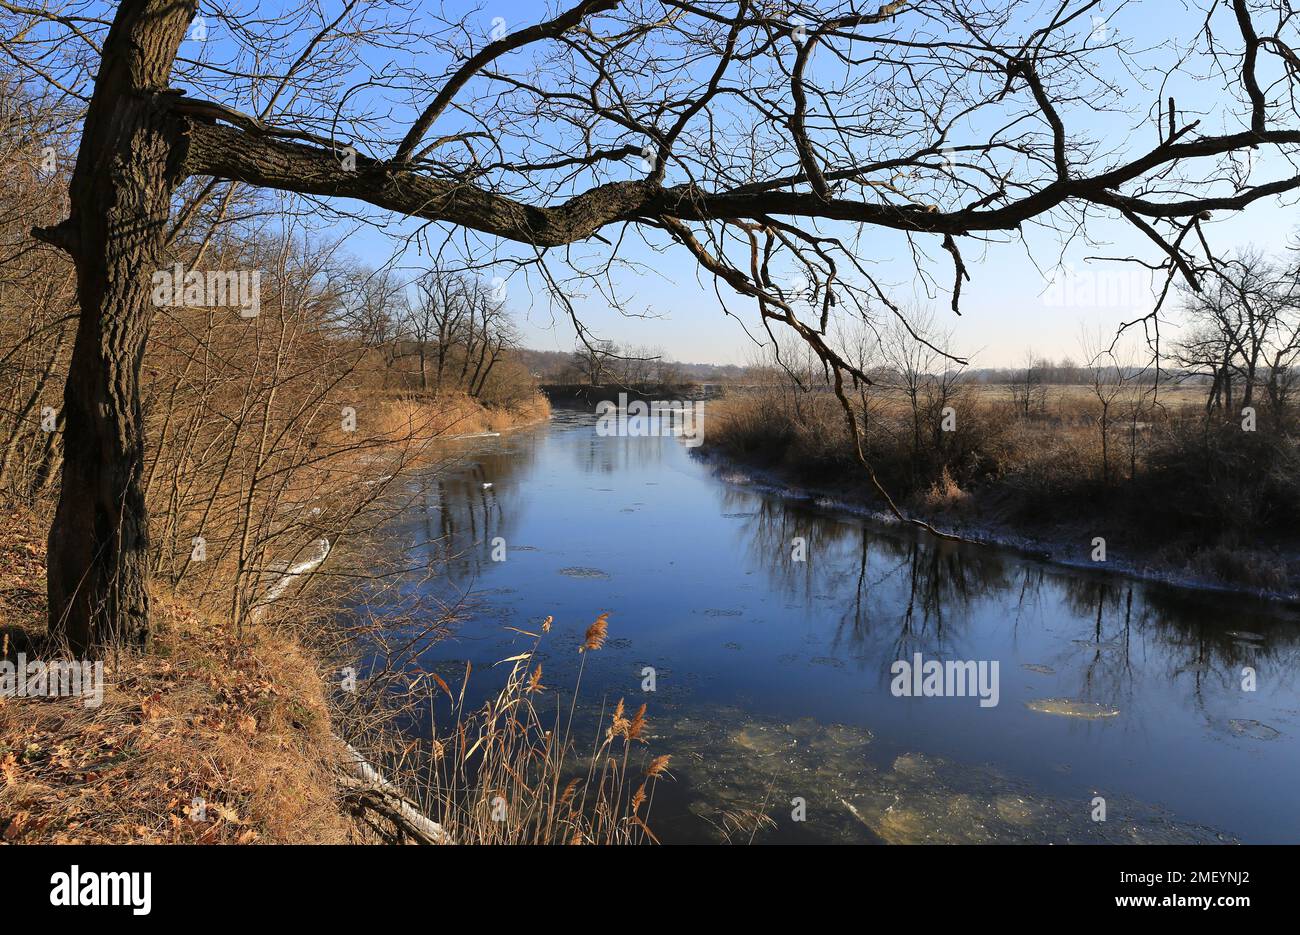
[{"x": 774, "y": 674}]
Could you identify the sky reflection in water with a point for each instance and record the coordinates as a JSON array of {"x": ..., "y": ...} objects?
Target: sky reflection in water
[{"x": 773, "y": 676}]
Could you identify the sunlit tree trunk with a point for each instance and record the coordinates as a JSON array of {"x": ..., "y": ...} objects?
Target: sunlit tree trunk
[{"x": 127, "y": 168}]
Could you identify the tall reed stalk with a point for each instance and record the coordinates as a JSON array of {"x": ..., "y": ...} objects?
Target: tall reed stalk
[{"x": 506, "y": 773}]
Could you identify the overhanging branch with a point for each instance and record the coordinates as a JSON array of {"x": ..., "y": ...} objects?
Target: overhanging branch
[{"x": 261, "y": 158}]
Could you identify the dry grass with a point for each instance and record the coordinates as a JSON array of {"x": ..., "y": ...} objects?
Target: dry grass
[
  {"x": 203, "y": 726},
  {"x": 1171, "y": 488},
  {"x": 944, "y": 495},
  {"x": 1245, "y": 566},
  {"x": 453, "y": 414},
  {"x": 511, "y": 771},
  {"x": 234, "y": 717}
]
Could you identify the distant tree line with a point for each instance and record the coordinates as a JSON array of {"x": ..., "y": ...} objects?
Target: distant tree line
[{"x": 450, "y": 331}]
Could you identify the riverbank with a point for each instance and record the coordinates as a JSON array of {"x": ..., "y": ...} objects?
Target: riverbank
[
  {"x": 769, "y": 677},
  {"x": 1033, "y": 487},
  {"x": 208, "y": 737},
  {"x": 455, "y": 415},
  {"x": 214, "y": 734}
]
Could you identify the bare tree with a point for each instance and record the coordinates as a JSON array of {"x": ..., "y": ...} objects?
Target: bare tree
[
  {"x": 745, "y": 148},
  {"x": 1244, "y": 331},
  {"x": 437, "y": 322},
  {"x": 1027, "y": 385},
  {"x": 37, "y": 300},
  {"x": 922, "y": 371},
  {"x": 1110, "y": 376},
  {"x": 592, "y": 362}
]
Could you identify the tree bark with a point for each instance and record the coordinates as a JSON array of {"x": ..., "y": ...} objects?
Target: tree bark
[{"x": 128, "y": 166}]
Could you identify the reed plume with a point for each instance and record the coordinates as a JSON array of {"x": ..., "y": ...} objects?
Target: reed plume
[
  {"x": 618, "y": 723},
  {"x": 510, "y": 749},
  {"x": 596, "y": 634},
  {"x": 637, "y": 725},
  {"x": 535, "y": 681}
]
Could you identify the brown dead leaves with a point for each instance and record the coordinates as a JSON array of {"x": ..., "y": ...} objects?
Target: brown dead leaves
[{"x": 204, "y": 742}]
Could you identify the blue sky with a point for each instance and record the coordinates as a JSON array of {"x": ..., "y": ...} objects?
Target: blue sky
[{"x": 673, "y": 306}]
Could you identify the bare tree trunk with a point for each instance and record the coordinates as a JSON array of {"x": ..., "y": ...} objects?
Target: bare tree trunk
[
  {"x": 128, "y": 165},
  {"x": 50, "y": 461},
  {"x": 478, "y": 366},
  {"x": 487, "y": 371},
  {"x": 25, "y": 411},
  {"x": 1105, "y": 442},
  {"x": 1216, "y": 390}
]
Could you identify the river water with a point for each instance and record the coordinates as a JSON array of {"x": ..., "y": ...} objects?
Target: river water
[{"x": 1123, "y": 712}]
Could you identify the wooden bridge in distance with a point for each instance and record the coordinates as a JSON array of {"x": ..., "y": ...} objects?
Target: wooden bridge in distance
[{"x": 595, "y": 392}]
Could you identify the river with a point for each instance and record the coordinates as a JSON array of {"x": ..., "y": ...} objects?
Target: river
[{"x": 1126, "y": 711}]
